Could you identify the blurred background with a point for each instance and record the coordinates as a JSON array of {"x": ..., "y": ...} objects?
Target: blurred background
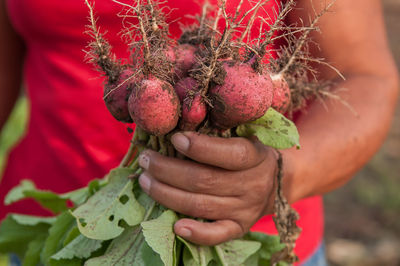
[{"x": 363, "y": 217}]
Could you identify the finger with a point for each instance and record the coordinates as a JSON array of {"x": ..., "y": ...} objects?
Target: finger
[
  {"x": 208, "y": 234},
  {"x": 196, "y": 205},
  {"x": 191, "y": 176},
  {"x": 227, "y": 153}
]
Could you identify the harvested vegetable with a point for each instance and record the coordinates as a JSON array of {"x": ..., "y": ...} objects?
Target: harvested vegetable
[{"x": 214, "y": 81}]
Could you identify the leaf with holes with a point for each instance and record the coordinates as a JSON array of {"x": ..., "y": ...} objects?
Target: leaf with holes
[{"x": 106, "y": 212}]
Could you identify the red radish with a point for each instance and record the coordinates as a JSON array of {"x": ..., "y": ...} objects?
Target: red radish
[
  {"x": 244, "y": 96},
  {"x": 194, "y": 111},
  {"x": 170, "y": 54},
  {"x": 281, "y": 98},
  {"x": 185, "y": 86},
  {"x": 116, "y": 96},
  {"x": 154, "y": 106},
  {"x": 185, "y": 59}
]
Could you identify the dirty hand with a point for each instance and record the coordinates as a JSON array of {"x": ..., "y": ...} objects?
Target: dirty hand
[{"x": 229, "y": 181}]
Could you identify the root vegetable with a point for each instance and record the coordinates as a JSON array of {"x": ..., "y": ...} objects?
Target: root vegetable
[
  {"x": 116, "y": 96},
  {"x": 170, "y": 54},
  {"x": 185, "y": 86},
  {"x": 154, "y": 106},
  {"x": 185, "y": 59},
  {"x": 244, "y": 96},
  {"x": 281, "y": 99},
  {"x": 194, "y": 111}
]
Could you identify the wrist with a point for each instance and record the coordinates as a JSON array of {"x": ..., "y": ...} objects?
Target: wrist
[
  {"x": 273, "y": 158},
  {"x": 296, "y": 184}
]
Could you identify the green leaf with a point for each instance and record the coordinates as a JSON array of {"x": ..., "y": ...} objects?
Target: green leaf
[
  {"x": 81, "y": 247},
  {"x": 48, "y": 199},
  {"x": 52, "y": 201},
  {"x": 73, "y": 262},
  {"x": 190, "y": 254},
  {"x": 57, "y": 233},
  {"x": 78, "y": 196},
  {"x": 32, "y": 255},
  {"x": 188, "y": 259},
  {"x": 71, "y": 235},
  {"x": 149, "y": 257},
  {"x": 15, "y": 237},
  {"x": 178, "y": 249},
  {"x": 272, "y": 129},
  {"x": 101, "y": 216},
  {"x": 269, "y": 245},
  {"x": 129, "y": 248},
  {"x": 255, "y": 260},
  {"x": 236, "y": 252},
  {"x": 17, "y": 193},
  {"x": 195, "y": 255},
  {"x": 32, "y": 220},
  {"x": 160, "y": 236}
]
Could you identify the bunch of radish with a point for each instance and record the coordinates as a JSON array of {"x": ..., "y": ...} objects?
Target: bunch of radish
[
  {"x": 203, "y": 82},
  {"x": 213, "y": 80},
  {"x": 157, "y": 106}
]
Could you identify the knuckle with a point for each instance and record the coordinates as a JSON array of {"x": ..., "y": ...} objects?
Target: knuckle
[
  {"x": 154, "y": 161},
  {"x": 203, "y": 208},
  {"x": 243, "y": 154},
  {"x": 204, "y": 181},
  {"x": 241, "y": 184}
]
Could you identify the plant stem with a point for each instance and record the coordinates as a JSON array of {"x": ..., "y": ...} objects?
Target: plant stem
[
  {"x": 150, "y": 210},
  {"x": 202, "y": 256},
  {"x": 135, "y": 164},
  {"x": 163, "y": 145},
  {"x": 220, "y": 255},
  {"x": 131, "y": 151},
  {"x": 154, "y": 143},
  {"x": 125, "y": 161}
]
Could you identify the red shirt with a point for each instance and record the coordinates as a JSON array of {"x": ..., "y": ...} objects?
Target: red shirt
[{"x": 71, "y": 137}]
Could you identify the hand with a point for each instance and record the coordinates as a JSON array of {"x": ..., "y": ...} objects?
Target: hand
[{"x": 230, "y": 181}]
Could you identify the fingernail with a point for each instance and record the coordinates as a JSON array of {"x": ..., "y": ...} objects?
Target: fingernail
[
  {"x": 145, "y": 182},
  {"x": 144, "y": 160},
  {"x": 181, "y": 142},
  {"x": 184, "y": 232}
]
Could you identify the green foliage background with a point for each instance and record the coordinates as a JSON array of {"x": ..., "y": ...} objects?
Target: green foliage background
[{"x": 13, "y": 130}]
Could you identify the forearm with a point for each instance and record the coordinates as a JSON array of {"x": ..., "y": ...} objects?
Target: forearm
[
  {"x": 336, "y": 142},
  {"x": 11, "y": 57},
  {"x": 8, "y": 97}
]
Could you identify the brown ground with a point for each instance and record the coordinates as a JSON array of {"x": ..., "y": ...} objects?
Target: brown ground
[{"x": 363, "y": 218}]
